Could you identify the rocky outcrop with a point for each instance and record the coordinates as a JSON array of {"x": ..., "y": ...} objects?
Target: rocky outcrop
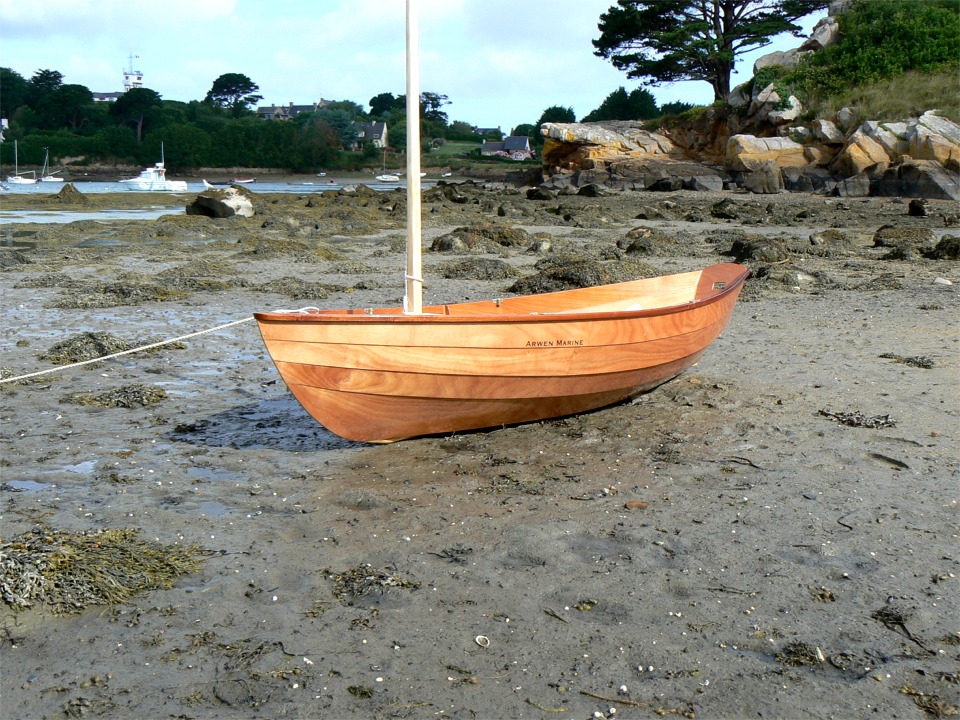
[
  {"x": 222, "y": 203},
  {"x": 569, "y": 146},
  {"x": 619, "y": 154},
  {"x": 747, "y": 152}
]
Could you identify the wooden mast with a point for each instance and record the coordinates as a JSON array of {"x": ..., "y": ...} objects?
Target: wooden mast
[{"x": 413, "y": 299}]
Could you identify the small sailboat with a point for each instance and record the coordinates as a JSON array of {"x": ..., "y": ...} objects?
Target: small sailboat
[
  {"x": 385, "y": 374},
  {"x": 384, "y": 176},
  {"x": 45, "y": 174},
  {"x": 27, "y": 178}
]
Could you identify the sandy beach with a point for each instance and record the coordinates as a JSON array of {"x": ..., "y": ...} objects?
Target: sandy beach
[{"x": 773, "y": 534}]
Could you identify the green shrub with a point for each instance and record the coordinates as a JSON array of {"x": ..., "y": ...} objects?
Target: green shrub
[{"x": 879, "y": 41}]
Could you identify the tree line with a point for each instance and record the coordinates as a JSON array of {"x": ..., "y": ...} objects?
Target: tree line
[
  {"x": 223, "y": 129},
  {"x": 652, "y": 41}
]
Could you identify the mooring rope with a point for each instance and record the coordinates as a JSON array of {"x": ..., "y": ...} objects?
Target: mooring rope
[{"x": 60, "y": 368}]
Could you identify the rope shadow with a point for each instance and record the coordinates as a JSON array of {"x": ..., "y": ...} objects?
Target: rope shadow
[{"x": 275, "y": 424}]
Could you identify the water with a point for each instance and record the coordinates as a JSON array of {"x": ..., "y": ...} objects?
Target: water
[{"x": 307, "y": 185}]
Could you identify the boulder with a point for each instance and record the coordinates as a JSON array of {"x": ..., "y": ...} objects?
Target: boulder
[
  {"x": 573, "y": 146},
  {"x": 936, "y": 138},
  {"x": 783, "y": 58},
  {"x": 222, "y": 203},
  {"x": 824, "y": 33},
  {"x": 763, "y": 103},
  {"x": 808, "y": 179},
  {"x": 819, "y": 155},
  {"x": 765, "y": 179},
  {"x": 747, "y": 152},
  {"x": 859, "y": 153},
  {"x": 854, "y": 186},
  {"x": 788, "y": 114},
  {"x": 827, "y": 132},
  {"x": 918, "y": 179},
  {"x": 894, "y": 138},
  {"x": 704, "y": 183},
  {"x": 846, "y": 118}
]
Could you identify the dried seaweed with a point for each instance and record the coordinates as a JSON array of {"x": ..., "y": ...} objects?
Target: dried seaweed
[
  {"x": 364, "y": 580},
  {"x": 128, "y": 396},
  {"x": 68, "y": 572},
  {"x": 858, "y": 419},
  {"x": 920, "y": 361}
]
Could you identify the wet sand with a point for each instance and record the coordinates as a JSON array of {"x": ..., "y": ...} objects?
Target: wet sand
[{"x": 772, "y": 534}]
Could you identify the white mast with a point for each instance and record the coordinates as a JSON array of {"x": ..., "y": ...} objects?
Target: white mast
[{"x": 413, "y": 299}]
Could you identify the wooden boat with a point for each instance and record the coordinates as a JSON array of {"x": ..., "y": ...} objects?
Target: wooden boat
[
  {"x": 379, "y": 375},
  {"x": 385, "y": 374}
]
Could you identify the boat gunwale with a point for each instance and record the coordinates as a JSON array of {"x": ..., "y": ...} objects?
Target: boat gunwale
[{"x": 361, "y": 316}]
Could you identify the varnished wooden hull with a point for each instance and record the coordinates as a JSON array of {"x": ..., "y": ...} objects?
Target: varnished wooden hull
[{"x": 378, "y": 375}]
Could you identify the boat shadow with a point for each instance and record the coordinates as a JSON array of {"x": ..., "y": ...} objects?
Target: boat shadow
[{"x": 275, "y": 424}]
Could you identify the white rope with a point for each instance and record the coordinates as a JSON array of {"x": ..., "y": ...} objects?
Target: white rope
[{"x": 125, "y": 352}]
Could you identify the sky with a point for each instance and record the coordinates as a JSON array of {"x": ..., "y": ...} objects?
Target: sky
[{"x": 499, "y": 62}]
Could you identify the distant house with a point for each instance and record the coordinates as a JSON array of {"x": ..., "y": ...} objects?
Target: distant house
[
  {"x": 487, "y": 131},
  {"x": 287, "y": 112},
  {"x": 106, "y": 97},
  {"x": 516, "y": 147},
  {"x": 374, "y": 133}
]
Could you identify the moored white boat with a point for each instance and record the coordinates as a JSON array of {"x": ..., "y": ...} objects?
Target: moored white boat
[
  {"x": 154, "y": 179},
  {"x": 45, "y": 174},
  {"x": 26, "y": 178}
]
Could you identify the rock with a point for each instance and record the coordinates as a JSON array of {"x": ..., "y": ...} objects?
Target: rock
[
  {"x": 808, "y": 179},
  {"x": 918, "y": 179},
  {"x": 819, "y": 155},
  {"x": 783, "y": 58},
  {"x": 936, "y": 138},
  {"x": 747, "y": 152},
  {"x": 846, "y": 118},
  {"x": 525, "y": 178},
  {"x": 222, "y": 203},
  {"x": 894, "y": 236},
  {"x": 725, "y": 209},
  {"x": 704, "y": 183},
  {"x": 739, "y": 96},
  {"x": 892, "y": 137},
  {"x": 788, "y": 114},
  {"x": 591, "y": 190},
  {"x": 828, "y": 132},
  {"x": 824, "y": 33},
  {"x": 763, "y": 103},
  {"x": 69, "y": 194},
  {"x": 948, "y": 248},
  {"x": 541, "y": 193},
  {"x": 801, "y": 134},
  {"x": 766, "y": 179},
  {"x": 759, "y": 249},
  {"x": 917, "y": 208},
  {"x": 860, "y": 153},
  {"x": 667, "y": 184},
  {"x": 855, "y": 186},
  {"x": 572, "y": 146}
]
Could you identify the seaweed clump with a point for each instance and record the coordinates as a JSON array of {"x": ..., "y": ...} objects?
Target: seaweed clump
[
  {"x": 67, "y": 572},
  {"x": 128, "y": 396},
  {"x": 569, "y": 273},
  {"x": 85, "y": 346},
  {"x": 364, "y": 580}
]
